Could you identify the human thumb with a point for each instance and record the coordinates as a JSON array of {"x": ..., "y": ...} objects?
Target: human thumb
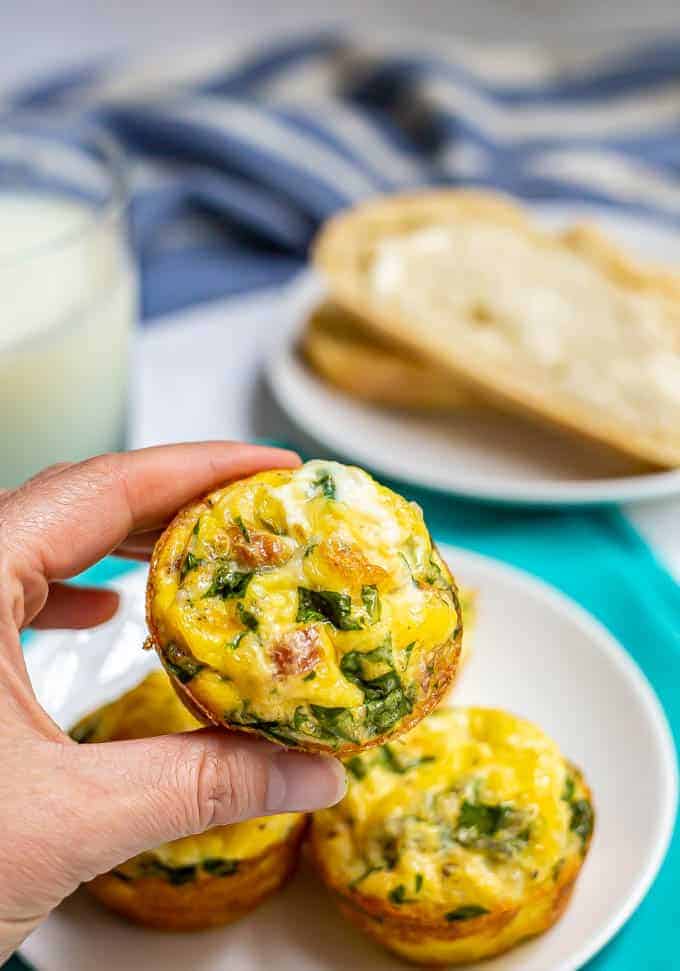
[{"x": 138, "y": 794}]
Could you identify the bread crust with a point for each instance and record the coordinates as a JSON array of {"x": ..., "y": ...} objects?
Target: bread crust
[
  {"x": 345, "y": 243},
  {"x": 207, "y": 901},
  {"x": 339, "y": 349}
]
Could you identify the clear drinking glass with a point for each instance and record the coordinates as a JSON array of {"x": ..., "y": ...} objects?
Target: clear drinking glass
[{"x": 68, "y": 296}]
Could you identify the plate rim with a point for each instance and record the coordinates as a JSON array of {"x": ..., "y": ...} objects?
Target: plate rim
[{"x": 589, "y": 626}]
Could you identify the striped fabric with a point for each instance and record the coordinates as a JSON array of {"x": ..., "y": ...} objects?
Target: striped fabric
[{"x": 239, "y": 154}]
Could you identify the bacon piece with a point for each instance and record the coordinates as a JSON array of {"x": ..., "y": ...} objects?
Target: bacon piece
[
  {"x": 258, "y": 549},
  {"x": 297, "y": 652}
]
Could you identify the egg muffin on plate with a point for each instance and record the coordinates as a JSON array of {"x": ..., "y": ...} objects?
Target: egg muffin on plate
[
  {"x": 199, "y": 881},
  {"x": 308, "y": 605},
  {"x": 459, "y": 840}
]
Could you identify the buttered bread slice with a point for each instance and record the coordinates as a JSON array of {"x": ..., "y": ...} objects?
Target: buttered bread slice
[{"x": 561, "y": 326}]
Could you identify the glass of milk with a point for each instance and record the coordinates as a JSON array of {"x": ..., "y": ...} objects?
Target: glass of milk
[{"x": 68, "y": 297}]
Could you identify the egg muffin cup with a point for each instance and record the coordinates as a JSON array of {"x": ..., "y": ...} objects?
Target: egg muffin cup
[
  {"x": 197, "y": 896},
  {"x": 195, "y": 882},
  {"x": 460, "y": 874},
  {"x": 308, "y": 606}
]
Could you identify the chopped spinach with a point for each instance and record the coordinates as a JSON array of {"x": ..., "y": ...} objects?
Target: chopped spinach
[
  {"x": 582, "y": 815},
  {"x": 398, "y": 895},
  {"x": 385, "y": 700},
  {"x": 197, "y": 527},
  {"x": 371, "y": 601},
  {"x": 242, "y": 526},
  {"x": 181, "y": 663},
  {"x": 419, "y": 882},
  {"x": 382, "y": 713},
  {"x": 122, "y": 876},
  {"x": 176, "y": 875},
  {"x": 391, "y": 761},
  {"x": 227, "y": 583},
  {"x": 482, "y": 819},
  {"x": 356, "y": 766},
  {"x": 407, "y": 652},
  {"x": 357, "y": 665},
  {"x": 581, "y": 819},
  {"x": 271, "y": 526},
  {"x": 247, "y": 618},
  {"x": 390, "y": 852},
  {"x": 367, "y": 872},
  {"x": 310, "y": 676},
  {"x": 325, "y": 484},
  {"x": 217, "y": 867},
  {"x": 466, "y": 912},
  {"x": 278, "y": 732},
  {"x": 233, "y": 644},
  {"x": 326, "y": 605},
  {"x": 336, "y": 722},
  {"x": 190, "y": 563},
  {"x": 500, "y": 831}
]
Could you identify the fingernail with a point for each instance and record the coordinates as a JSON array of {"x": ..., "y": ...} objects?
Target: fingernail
[{"x": 302, "y": 783}]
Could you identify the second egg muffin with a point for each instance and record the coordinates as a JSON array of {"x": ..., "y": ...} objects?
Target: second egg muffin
[
  {"x": 459, "y": 840},
  {"x": 308, "y": 605},
  {"x": 199, "y": 881}
]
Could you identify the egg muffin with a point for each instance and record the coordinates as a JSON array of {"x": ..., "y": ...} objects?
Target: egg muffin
[
  {"x": 459, "y": 840},
  {"x": 199, "y": 881},
  {"x": 308, "y": 605}
]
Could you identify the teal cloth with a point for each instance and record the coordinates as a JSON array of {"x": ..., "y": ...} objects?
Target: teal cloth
[{"x": 597, "y": 558}]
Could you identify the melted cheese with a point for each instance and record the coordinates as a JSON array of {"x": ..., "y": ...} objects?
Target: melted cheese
[
  {"x": 516, "y": 299},
  {"x": 333, "y": 529},
  {"x": 401, "y": 823}
]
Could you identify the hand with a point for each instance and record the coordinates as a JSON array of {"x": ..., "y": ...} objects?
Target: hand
[{"x": 70, "y": 812}]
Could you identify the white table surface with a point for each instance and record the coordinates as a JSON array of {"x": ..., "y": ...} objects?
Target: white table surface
[{"x": 183, "y": 393}]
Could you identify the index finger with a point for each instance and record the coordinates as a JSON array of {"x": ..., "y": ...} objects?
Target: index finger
[{"x": 68, "y": 520}]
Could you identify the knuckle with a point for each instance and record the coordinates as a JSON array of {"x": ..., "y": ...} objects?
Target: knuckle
[{"x": 229, "y": 784}]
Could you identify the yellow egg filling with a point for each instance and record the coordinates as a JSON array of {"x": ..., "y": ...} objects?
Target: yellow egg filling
[{"x": 308, "y": 604}]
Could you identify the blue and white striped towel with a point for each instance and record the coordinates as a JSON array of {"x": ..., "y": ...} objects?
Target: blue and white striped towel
[{"x": 239, "y": 155}]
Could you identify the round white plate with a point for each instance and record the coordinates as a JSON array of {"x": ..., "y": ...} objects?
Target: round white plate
[
  {"x": 490, "y": 457},
  {"x": 530, "y": 649}
]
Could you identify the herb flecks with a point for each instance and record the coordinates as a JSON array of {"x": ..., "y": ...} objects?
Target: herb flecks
[
  {"x": 228, "y": 583},
  {"x": 391, "y": 760},
  {"x": 325, "y": 484},
  {"x": 247, "y": 617},
  {"x": 467, "y": 912},
  {"x": 190, "y": 563},
  {"x": 326, "y": 605},
  {"x": 384, "y": 697},
  {"x": 371, "y": 602},
  {"x": 217, "y": 867},
  {"x": 398, "y": 895},
  {"x": 242, "y": 526},
  {"x": 181, "y": 663},
  {"x": 356, "y": 766}
]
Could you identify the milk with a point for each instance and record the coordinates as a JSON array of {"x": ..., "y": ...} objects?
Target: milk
[{"x": 67, "y": 304}]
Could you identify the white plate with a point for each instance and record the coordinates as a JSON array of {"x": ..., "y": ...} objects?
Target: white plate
[
  {"x": 530, "y": 650},
  {"x": 488, "y": 457}
]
